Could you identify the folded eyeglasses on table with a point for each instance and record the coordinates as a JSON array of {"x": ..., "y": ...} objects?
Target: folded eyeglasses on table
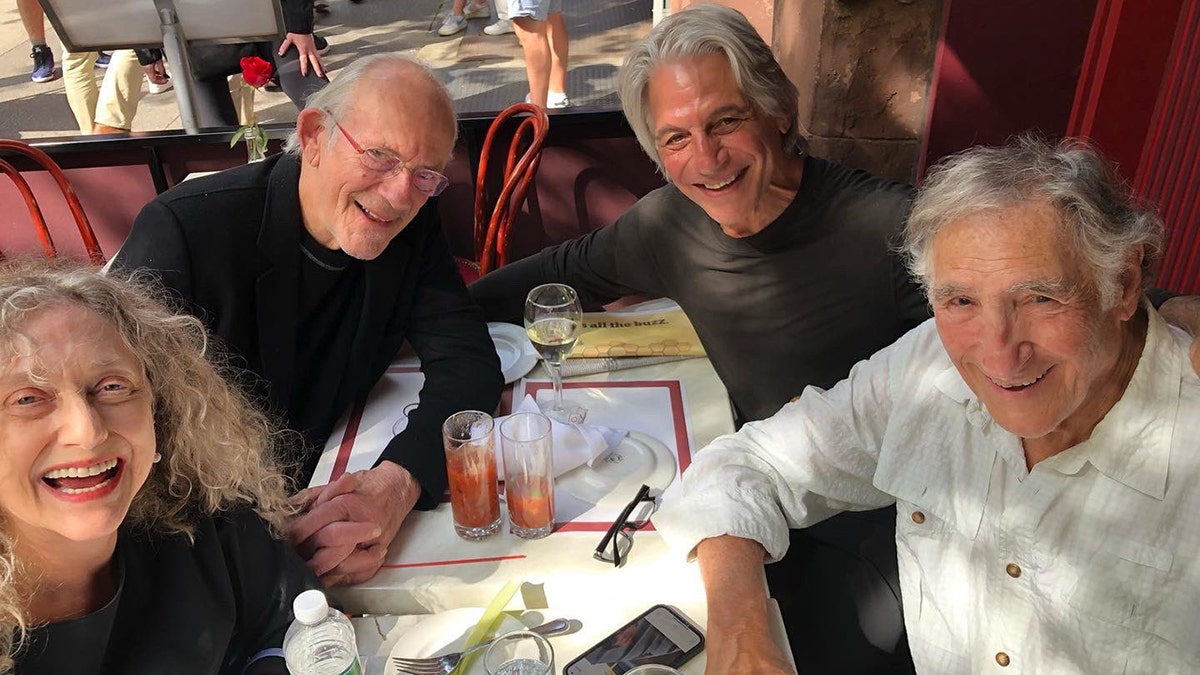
[{"x": 614, "y": 547}]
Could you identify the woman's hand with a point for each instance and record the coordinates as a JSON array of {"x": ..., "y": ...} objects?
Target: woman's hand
[{"x": 306, "y": 47}]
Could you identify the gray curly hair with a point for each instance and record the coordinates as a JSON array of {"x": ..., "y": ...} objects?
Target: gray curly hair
[
  {"x": 218, "y": 450},
  {"x": 1103, "y": 218}
]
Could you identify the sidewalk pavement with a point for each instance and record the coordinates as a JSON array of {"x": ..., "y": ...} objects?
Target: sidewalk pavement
[{"x": 483, "y": 73}]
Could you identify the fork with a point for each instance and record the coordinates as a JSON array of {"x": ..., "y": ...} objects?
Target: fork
[{"x": 442, "y": 665}]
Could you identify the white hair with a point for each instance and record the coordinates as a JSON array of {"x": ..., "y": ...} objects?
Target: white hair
[{"x": 1101, "y": 217}]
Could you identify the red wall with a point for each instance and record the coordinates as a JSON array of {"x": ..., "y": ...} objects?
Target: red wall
[
  {"x": 1169, "y": 171},
  {"x": 1139, "y": 101},
  {"x": 1124, "y": 73},
  {"x": 1003, "y": 68},
  {"x": 1129, "y": 47},
  {"x": 111, "y": 197}
]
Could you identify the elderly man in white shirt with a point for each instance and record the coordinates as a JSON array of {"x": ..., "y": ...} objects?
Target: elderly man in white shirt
[{"x": 1040, "y": 437}]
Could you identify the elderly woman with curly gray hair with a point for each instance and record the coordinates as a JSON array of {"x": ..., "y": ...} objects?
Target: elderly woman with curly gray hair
[{"x": 139, "y": 499}]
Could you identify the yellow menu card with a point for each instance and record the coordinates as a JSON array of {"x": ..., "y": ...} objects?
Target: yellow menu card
[{"x": 654, "y": 328}]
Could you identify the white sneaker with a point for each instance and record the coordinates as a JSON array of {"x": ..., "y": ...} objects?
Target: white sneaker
[
  {"x": 453, "y": 24},
  {"x": 501, "y": 27},
  {"x": 156, "y": 88},
  {"x": 555, "y": 99},
  {"x": 474, "y": 11}
]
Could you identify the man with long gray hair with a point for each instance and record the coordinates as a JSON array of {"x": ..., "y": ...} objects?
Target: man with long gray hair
[
  {"x": 784, "y": 263},
  {"x": 315, "y": 266},
  {"x": 1037, "y": 436}
]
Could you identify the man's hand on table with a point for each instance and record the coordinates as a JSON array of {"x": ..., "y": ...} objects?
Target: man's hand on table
[
  {"x": 739, "y": 622},
  {"x": 1184, "y": 311},
  {"x": 345, "y": 527}
]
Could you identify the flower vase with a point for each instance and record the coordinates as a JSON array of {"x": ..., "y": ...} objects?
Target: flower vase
[{"x": 256, "y": 143}]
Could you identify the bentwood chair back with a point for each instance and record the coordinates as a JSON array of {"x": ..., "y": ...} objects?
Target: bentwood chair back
[
  {"x": 35, "y": 212},
  {"x": 492, "y": 225}
]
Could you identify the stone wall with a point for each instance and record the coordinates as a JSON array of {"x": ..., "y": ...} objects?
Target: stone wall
[{"x": 863, "y": 69}]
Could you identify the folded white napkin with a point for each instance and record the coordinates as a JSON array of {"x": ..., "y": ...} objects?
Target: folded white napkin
[{"x": 574, "y": 444}]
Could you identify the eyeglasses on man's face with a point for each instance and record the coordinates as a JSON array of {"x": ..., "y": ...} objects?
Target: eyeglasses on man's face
[
  {"x": 385, "y": 163},
  {"x": 614, "y": 547}
]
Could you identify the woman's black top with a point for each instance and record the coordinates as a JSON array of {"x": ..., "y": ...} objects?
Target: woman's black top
[{"x": 208, "y": 607}]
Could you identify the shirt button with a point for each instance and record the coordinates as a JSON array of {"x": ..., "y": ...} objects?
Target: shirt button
[
  {"x": 1013, "y": 569},
  {"x": 918, "y": 517},
  {"x": 1002, "y": 659}
]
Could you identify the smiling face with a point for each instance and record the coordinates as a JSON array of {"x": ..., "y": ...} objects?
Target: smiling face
[
  {"x": 1018, "y": 314},
  {"x": 720, "y": 151},
  {"x": 349, "y": 207},
  {"x": 77, "y": 429}
]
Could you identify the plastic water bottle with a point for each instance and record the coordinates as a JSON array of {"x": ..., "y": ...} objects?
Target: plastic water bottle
[{"x": 321, "y": 640}]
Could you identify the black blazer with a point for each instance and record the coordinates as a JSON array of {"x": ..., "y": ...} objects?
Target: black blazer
[
  {"x": 183, "y": 607},
  {"x": 229, "y": 246}
]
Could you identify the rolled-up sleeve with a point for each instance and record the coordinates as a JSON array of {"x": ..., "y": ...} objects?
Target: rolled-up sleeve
[{"x": 814, "y": 458}]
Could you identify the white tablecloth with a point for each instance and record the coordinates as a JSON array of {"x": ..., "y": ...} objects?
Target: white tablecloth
[{"x": 429, "y": 569}]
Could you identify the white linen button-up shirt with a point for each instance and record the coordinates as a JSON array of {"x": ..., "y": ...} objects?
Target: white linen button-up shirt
[{"x": 1089, "y": 563}]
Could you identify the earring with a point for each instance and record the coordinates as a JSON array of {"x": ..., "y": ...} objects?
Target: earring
[{"x": 157, "y": 457}]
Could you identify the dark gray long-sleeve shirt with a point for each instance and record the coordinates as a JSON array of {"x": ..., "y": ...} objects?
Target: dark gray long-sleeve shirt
[{"x": 798, "y": 303}]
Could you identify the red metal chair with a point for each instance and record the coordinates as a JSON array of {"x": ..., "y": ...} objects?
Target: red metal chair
[
  {"x": 35, "y": 212},
  {"x": 492, "y": 231}
]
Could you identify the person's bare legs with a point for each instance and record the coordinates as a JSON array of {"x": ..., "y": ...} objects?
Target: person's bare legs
[
  {"x": 33, "y": 19},
  {"x": 535, "y": 43},
  {"x": 557, "y": 33}
]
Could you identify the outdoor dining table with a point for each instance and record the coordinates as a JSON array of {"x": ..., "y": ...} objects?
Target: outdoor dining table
[{"x": 429, "y": 569}]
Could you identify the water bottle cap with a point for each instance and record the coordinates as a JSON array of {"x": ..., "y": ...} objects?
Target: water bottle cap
[{"x": 310, "y": 607}]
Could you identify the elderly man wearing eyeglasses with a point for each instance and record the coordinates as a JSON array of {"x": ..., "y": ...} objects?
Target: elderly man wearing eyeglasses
[{"x": 314, "y": 267}]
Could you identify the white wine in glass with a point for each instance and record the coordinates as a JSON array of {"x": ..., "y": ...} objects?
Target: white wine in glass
[
  {"x": 552, "y": 320},
  {"x": 553, "y": 338}
]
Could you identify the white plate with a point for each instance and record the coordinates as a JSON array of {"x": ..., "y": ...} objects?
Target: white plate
[
  {"x": 516, "y": 353},
  {"x": 444, "y": 633},
  {"x": 614, "y": 480}
]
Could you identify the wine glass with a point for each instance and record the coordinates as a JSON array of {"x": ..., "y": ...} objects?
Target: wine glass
[{"x": 552, "y": 320}]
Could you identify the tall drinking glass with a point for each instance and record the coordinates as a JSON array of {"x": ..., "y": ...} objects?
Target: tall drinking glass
[
  {"x": 528, "y": 474},
  {"x": 471, "y": 467},
  {"x": 552, "y": 320}
]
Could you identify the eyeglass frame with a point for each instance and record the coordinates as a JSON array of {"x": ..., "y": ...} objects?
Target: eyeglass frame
[
  {"x": 441, "y": 185},
  {"x": 621, "y": 526}
]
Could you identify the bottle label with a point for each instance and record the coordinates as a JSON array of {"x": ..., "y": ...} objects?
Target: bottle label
[{"x": 354, "y": 669}]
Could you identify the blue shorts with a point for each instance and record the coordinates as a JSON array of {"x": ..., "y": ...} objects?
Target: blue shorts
[{"x": 537, "y": 10}]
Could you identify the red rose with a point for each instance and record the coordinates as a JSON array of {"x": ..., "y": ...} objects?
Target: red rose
[{"x": 255, "y": 71}]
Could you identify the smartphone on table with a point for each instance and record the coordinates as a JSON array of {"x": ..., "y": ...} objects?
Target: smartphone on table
[{"x": 661, "y": 635}]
